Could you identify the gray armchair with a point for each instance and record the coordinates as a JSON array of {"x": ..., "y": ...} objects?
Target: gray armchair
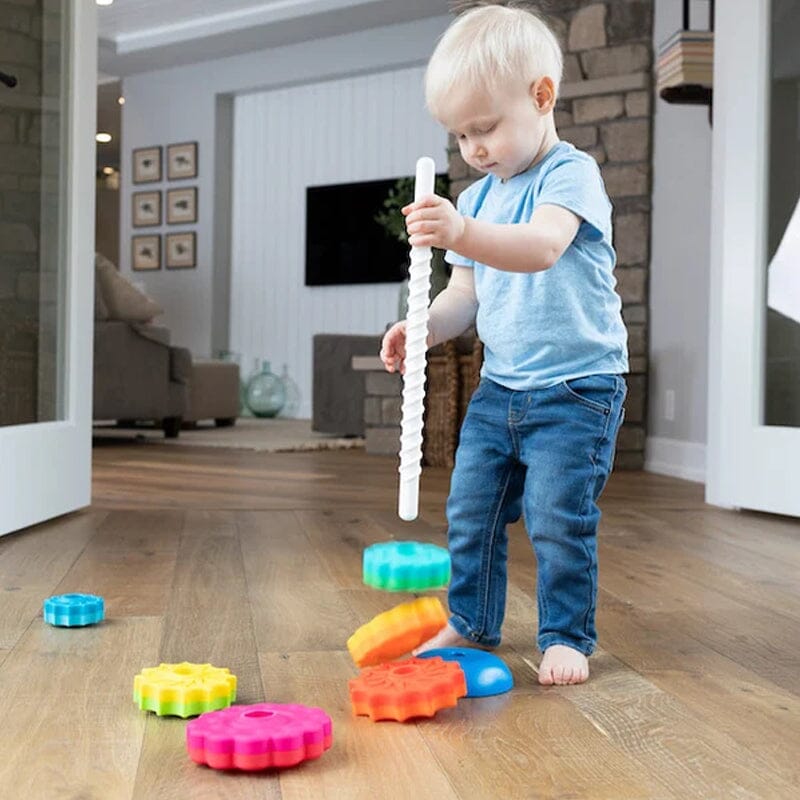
[{"x": 138, "y": 376}]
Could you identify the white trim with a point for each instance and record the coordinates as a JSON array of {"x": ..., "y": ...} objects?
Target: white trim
[
  {"x": 750, "y": 465},
  {"x": 199, "y": 27},
  {"x": 104, "y": 78},
  {"x": 675, "y": 458},
  {"x": 45, "y": 469}
]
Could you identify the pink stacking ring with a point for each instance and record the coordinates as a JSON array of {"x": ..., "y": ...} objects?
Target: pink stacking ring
[{"x": 259, "y": 736}]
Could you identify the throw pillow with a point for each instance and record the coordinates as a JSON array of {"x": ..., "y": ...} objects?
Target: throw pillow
[{"x": 122, "y": 299}]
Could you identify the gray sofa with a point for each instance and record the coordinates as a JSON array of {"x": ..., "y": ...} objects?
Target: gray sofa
[{"x": 139, "y": 376}]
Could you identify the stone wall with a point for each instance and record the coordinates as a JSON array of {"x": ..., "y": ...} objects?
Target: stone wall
[
  {"x": 605, "y": 108},
  {"x": 382, "y": 406},
  {"x": 29, "y": 230}
]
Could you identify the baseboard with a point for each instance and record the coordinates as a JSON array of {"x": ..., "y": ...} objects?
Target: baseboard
[{"x": 676, "y": 458}]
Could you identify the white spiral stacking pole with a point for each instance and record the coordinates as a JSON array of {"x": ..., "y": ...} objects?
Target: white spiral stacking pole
[{"x": 419, "y": 285}]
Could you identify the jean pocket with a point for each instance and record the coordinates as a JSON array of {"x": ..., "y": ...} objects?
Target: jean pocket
[{"x": 596, "y": 392}]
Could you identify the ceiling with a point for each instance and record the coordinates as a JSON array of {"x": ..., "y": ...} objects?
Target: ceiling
[{"x": 145, "y": 35}]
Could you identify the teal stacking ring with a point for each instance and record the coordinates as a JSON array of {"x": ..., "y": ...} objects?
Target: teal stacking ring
[
  {"x": 73, "y": 610},
  {"x": 406, "y": 566}
]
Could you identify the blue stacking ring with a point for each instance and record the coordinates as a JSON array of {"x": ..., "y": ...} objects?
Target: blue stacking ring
[
  {"x": 486, "y": 674},
  {"x": 73, "y": 610}
]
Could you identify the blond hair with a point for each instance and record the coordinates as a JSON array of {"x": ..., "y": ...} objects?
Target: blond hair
[{"x": 488, "y": 47}]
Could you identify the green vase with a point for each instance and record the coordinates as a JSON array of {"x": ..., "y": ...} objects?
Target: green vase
[{"x": 266, "y": 393}]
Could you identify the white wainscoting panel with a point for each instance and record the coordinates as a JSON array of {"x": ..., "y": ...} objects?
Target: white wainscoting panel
[
  {"x": 676, "y": 458},
  {"x": 367, "y": 127}
]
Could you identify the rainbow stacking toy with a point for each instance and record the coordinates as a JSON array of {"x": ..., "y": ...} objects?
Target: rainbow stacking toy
[
  {"x": 73, "y": 610},
  {"x": 397, "y": 631},
  {"x": 184, "y": 690},
  {"x": 406, "y": 566},
  {"x": 259, "y": 736},
  {"x": 401, "y": 690}
]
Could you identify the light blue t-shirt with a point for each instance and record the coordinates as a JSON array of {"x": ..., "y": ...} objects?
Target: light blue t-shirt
[{"x": 541, "y": 328}]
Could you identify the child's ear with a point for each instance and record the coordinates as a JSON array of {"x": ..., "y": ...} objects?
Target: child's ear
[{"x": 543, "y": 94}]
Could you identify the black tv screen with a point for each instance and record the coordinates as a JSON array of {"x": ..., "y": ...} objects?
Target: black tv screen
[{"x": 344, "y": 244}]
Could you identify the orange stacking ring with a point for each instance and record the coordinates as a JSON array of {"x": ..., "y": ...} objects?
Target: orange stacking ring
[
  {"x": 415, "y": 687},
  {"x": 397, "y": 631}
]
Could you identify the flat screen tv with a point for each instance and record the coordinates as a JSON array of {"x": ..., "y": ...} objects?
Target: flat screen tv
[{"x": 344, "y": 244}]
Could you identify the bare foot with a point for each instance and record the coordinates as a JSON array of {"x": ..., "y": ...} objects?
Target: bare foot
[
  {"x": 447, "y": 637},
  {"x": 561, "y": 665}
]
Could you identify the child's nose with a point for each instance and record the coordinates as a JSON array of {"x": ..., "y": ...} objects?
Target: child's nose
[{"x": 477, "y": 150}]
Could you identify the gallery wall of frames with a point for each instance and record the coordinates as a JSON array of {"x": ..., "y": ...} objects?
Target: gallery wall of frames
[{"x": 171, "y": 205}]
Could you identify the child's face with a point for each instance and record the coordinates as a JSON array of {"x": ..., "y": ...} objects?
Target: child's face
[{"x": 502, "y": 131}]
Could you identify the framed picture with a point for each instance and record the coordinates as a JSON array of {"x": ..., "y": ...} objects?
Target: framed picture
[
  {"x": 181, "y": 250},
  {"x": 146, "y": 252},
  {"x": 182, "y": 206},
  {"x": 181, "y": 161},
  {"x": 147, "y": 164},
  {"x": 146, "y": 209}
]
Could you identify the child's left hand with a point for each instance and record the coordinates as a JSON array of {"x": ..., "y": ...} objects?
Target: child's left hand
[{"x": 433, "y": 222}]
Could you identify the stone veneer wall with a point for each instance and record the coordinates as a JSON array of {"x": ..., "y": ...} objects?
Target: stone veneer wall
[
  {"x": 605, "y": 108},
  {"x": 30, "y": 50}
]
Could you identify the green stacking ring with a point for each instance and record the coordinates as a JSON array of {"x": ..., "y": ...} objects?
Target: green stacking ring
[{"x": 406, "y": 566}]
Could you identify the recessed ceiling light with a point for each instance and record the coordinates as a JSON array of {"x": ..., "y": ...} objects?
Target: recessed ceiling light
[
  {"x": 121, "y": 100},
  {"x": 103, "y": 138},
  {"x": 104, "y": 2},
  {"x": 108, "y": 170}
]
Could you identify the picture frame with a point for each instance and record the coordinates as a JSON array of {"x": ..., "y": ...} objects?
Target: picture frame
[
  {"x": 181, "y": 250},
  {"x": 181, "y": 161},
  {"x": 182, "y": 206},
  {"x": 146, "y": 209},
  {"x": 147, "y": 164},
  {"x": 146, "y": 252}
]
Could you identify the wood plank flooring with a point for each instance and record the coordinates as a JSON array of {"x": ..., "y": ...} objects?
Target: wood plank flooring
[{"x": 253, "y": 561}]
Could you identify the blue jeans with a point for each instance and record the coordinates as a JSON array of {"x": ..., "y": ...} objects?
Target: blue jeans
[{"x": 547, "y": 452}]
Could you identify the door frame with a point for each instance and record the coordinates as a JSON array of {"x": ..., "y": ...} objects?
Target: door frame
[
  {"x": 749, "y": 465},
  {"x": 45, "y": 468}
]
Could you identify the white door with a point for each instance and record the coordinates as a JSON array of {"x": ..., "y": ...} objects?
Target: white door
[
  {"x": 754, "y": 381},
  {"x": 48, "y": 92}
]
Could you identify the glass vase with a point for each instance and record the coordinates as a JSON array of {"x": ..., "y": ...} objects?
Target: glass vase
[
  {"x": 292, "y": 404},
  {"x": 266, "y": 393}
]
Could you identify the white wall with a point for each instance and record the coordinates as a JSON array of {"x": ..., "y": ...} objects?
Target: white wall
[
  {"x": 679, "y": 272},
  {"x": 180, "y": 104},
  {"x": 354, "y": 129}
]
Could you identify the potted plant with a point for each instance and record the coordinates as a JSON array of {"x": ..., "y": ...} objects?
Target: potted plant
[{"x": 394, "y": 224}]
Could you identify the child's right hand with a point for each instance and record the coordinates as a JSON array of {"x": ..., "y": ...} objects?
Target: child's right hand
[{"x": 393, "y": 348}]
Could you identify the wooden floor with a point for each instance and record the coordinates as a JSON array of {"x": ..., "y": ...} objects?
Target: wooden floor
[{"x": 253, "y": 561}]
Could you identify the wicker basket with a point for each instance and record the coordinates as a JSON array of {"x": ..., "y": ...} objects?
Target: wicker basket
[
  {"x": 440, "y": 431},
  {"x": 453, "y": 373},
  {"x": 470, "y": 360}
]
